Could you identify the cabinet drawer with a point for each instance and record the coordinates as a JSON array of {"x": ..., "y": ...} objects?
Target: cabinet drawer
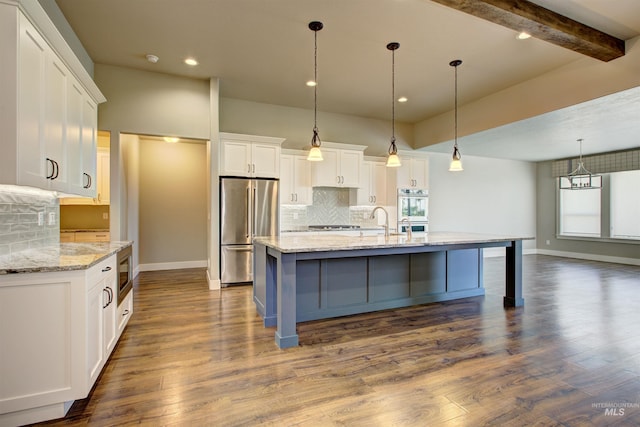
[{"x": 125, "y": 310}]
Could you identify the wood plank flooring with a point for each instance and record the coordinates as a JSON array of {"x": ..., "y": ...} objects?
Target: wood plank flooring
[{"x": 194, "y": 357}]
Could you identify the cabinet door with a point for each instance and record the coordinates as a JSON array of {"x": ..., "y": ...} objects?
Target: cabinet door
[
  {"x": 56, "y": 77},
  {"x": 89, "y": 142},
  {"x": 265, "y": 161},
  {"x": 32, "y": 166},
  {"x": 75, "y": 100},
  {"x": 236, "y": 158},
  {"x": 109, "y": 313},
  {"x": 302, "y": 180},
  {"x": 378, "y": 182},
  {"x": 103, "y": 173},
  {"x": 326, "y": 172},
  {"x": 365, "y": 197},
  {"x": 350, "y": 163},
  {"x": 95, "y": 333},
  {"x": 403, "y": 174},
  {"x": 420, "y": 172},
  {"x": 287, "y": 195}
]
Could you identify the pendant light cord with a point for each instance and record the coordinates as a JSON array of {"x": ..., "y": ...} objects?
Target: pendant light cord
[
  {"x": 315, "y": 140},
  {"x": 455, "y": 120},
  {"x": 393, "y": 103}
]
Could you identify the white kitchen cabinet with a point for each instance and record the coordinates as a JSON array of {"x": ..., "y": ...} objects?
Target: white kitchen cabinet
[
  {"x": 373, "y": 183},
  {"x": 63, "y": 328},
  {"x": 340, "y": 167},
  {"x": 250, "y": 155},
  {"x": 100, "y": 182},
  {"x": 295, "y": 180},
  {"x": 43, "y": 100},
  {"x": 413, "y": 173}
]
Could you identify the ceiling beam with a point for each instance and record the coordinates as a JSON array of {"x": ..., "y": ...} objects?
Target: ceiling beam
[{"x": 544, "y": 24}]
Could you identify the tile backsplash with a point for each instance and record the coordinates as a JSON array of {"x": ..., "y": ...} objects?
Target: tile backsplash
[
  {"x": 19, "y": 211},
  {"x": 331, "y": 206}
]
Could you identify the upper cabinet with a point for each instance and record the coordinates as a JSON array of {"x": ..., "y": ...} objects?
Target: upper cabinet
[
  {"x": 413, "y": 173},
  {"x": 295, "y": 180},
  {"x": 101, "y": 182},
  {"x": 340, "y": 167},
  {"x": 373, "y": 183},
  {"x": 250, "y": 155},
  {"x": 49, "y": 103}
]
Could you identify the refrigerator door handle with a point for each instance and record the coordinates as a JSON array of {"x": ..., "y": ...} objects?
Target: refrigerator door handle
[
  {"x": 248, "y": 213},
  {"x": 242, "y": 249},
  {"x": 253, "y": 212}
]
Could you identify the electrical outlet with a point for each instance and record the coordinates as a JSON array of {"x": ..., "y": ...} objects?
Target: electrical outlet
[
  {"x": 295, "y": 215},
  {"x": 40, "y": 218},
  {"x": 52, "y": 218},
  {"x": 105, "y": 215}
]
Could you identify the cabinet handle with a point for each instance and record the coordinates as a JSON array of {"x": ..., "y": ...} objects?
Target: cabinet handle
[
  {"x": 104, "y": 270},
  {"x": 89, "y": 180},
  {"x": 125, "y": 313},
  {"x": 338, "y": 179},
  {"x": 253, "y": 167},
  {"x": 49, "y": 161},
  {"x": 108, "y": 298},
  {"x": 57, "y": 170},
  {"x": 374, "y": 199},
  {"x": 248, "y": 168}
]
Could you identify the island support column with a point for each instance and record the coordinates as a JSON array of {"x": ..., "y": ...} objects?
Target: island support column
[
  {"x": 286, "y": 335},
  {"x": 513, "y": 291}
]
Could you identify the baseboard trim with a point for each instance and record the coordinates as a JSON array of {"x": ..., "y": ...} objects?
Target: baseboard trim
[
  {"x": 214, "y": 284},
  {"x": 590, "y": 257},
  {"x": 172, "y": 265}
]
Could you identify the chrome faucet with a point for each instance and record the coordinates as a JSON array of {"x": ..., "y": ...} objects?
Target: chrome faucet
[
  {"x": 408, "y": 221},
  {"x": 386, "y": 219}
]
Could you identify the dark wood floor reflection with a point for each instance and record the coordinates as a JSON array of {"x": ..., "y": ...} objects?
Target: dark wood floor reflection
[{"x": 570, "y": 357}]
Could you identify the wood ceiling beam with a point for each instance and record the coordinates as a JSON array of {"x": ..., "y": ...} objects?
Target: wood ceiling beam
[{"x": 544, "y": 24}]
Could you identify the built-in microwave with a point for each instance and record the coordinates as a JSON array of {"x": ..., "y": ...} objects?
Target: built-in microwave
[{"x": 125, "y": 273}]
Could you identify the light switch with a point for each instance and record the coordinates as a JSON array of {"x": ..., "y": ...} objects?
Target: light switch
[
  {"x": 52, "y": 218},
  {"x": 40, "y": 218}
]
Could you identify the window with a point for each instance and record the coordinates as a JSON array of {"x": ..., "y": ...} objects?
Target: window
[
  {"x": 580, "y": 213},
  {"x": 625, "y": 205}
]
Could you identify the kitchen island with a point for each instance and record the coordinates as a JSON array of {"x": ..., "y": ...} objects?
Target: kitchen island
[{"x": 302, "y": 278}]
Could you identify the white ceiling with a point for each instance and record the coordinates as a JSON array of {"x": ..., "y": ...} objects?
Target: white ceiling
[{"x": 263, "y": 51}]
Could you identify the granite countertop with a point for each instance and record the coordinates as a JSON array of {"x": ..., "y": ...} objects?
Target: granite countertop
[
  {"x": 333, "y": 242},
  {"x": 60, "y": 257},
  {"x": 84, "y": 230}
]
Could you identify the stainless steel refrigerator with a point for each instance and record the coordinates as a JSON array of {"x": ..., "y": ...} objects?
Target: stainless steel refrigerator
[{"x": 248, "y": 208}]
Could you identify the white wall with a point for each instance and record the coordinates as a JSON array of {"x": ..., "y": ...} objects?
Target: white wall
[{"x": 489, "y": 196}]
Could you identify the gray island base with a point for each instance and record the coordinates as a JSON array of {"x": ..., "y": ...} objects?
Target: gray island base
[{"x": 302, "y": 278}]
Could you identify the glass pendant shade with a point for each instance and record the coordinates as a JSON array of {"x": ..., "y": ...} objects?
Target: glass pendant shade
[
  {"x": 393, "y": 161},
  {"x": 456, "y": 163},
  {"x": 315, "y": 155}
]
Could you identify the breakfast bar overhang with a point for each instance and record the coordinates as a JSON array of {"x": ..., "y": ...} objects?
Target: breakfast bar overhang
[{"x": 301, "y": 278}]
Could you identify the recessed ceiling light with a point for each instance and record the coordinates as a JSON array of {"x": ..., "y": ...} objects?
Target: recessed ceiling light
[
  {"x": 523, "y": 35},
  {"x": 311, "y": 83},
  {"x": 191, "y": 61},
  {"x": 403, "y": 99},
  {"x": 171, "y": 139},
  {"x": 152, "y": 58}
]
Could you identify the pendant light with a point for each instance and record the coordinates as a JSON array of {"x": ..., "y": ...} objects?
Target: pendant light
[
  {"x": 581, "y": 178},
  {"x": 315, "y": 155},
  {"x": 456, "y": 164},
  {"x": 393, "y": 161}
]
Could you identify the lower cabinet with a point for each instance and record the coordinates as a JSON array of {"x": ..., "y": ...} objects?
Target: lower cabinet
[{"x": 57, "y": 331}]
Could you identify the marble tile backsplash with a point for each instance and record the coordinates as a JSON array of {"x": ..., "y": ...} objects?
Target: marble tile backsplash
[
  {"x": 19, "y": 209},
  {"x": 331, "y": 206}
]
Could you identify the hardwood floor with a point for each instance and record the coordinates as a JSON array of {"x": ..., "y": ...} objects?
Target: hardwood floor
[{"x": 196, "y": 357}]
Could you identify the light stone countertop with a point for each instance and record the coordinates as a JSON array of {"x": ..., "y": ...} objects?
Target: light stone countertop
[
  {"x": 60, "y": 257},
  {"x": 335, "y": 242}
]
